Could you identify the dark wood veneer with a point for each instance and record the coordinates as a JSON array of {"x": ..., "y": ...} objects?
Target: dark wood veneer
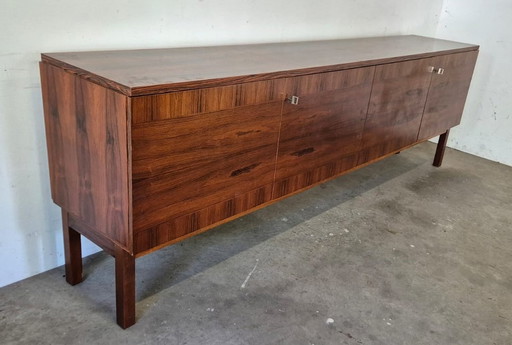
[
  {"x": 447, "y": 93},
  {"x": 186, "y": 164},
  {"x": 86, "y": 130},
  {"x": 396, "y": 106},
  {"x": 324, "y": 128},
  {"x": 149, "y": 147}
]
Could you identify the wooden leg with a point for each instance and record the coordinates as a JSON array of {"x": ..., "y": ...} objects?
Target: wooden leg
[
  {"x": 441, "y": 146},
  {"x": 125, "y": 287},
  {"x": 72, "y": 252}
]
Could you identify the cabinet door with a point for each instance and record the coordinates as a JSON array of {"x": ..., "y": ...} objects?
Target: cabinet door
[
  {"x": 396, "y": 107},
  {"x": 321, "y": 135},
  {"x": 447, "y": 93},
  {"x": 202, "y": 156}
]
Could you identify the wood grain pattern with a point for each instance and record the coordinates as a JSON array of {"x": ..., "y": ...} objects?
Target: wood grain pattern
[
  {"x": 186, "y": 164},
  {"x": 325, "y": 127},
  {"x": 396, "y": 106},
  {"x": 180, "y": 104},
  {"x": 150, "y": 71},
  {"x": 186, "y": 225},
  {"x": 187, "y": 103},
  {"x": 447, "y": 94},
  {"x": 86, "y": 130},
  {"x": 313, "y": 176}
]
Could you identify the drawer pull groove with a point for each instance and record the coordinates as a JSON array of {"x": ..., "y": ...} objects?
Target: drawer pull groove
[
  {"x": 244, "y": 170},
  {"x": 304, "y": 152}
]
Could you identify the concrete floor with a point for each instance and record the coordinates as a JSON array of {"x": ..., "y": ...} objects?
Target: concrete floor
[{"x": 399, "y": 252}]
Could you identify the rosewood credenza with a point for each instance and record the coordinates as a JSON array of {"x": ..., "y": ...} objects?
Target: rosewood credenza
[{"x": 149, "y": 147}]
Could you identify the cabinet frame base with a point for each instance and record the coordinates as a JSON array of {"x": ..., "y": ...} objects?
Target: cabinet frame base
[
  {"x": 441, "y": 146},
  {"x": 125, "y": 262},
  {"x": 124, "y": 272},
  {"x": 72, "y": 252}
]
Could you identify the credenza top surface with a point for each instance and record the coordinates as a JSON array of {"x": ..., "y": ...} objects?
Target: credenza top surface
[{"x": 149, "y": 71}]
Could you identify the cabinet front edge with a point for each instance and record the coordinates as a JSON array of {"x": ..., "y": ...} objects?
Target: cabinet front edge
[
  {"x": 84, "y": 74},
  {"x": 145, "y": 90}
]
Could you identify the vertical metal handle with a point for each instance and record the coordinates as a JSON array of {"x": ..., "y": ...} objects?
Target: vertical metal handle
[{"x": 293, "y": 100}]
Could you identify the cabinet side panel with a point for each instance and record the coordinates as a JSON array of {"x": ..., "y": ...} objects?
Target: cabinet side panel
[
  {"x": 447, "y": 93},
  {"x": 86, "y": 133}
]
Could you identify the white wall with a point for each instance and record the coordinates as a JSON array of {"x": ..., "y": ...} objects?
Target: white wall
[
  {"x": 486, "y": 127},
  {"x": 30, "y": 234}
]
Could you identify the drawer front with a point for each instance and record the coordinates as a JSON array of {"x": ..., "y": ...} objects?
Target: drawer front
[
  {"x": 189, "y": 163},
  {"x": 321, "y": 135},
  {"x": 187, "y": 103}
]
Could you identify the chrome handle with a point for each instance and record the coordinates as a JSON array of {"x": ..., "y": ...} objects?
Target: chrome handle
[
  {"x": 293, "y": 100},
  {"x": 439, "y": 70}
]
